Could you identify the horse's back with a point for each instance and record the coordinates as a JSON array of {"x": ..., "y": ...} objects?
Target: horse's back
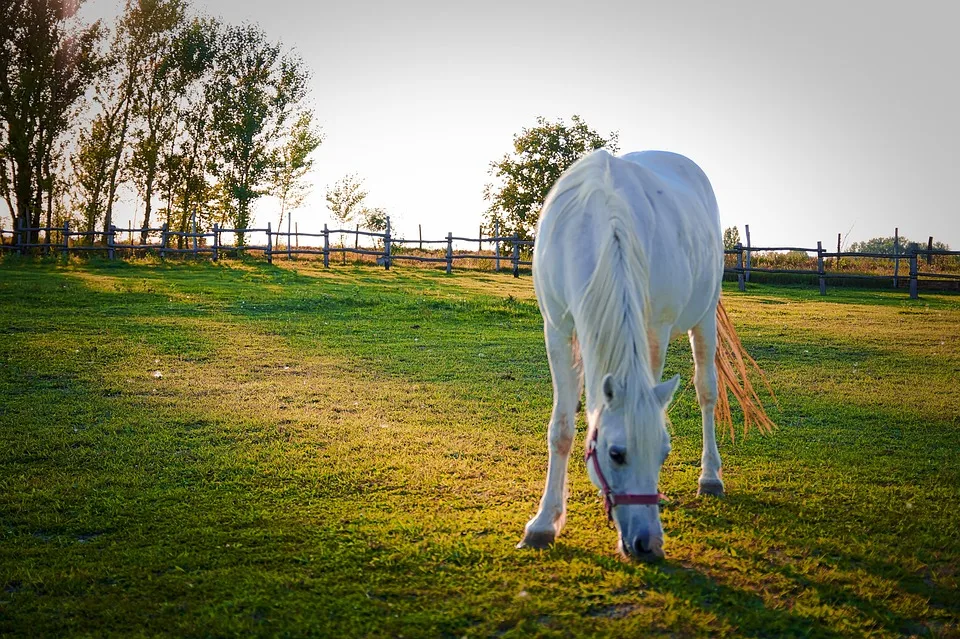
[{"x": 677, "y": 228}]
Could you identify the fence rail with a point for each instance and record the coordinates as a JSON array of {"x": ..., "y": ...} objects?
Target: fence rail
[{"x": 388, "y": 249}]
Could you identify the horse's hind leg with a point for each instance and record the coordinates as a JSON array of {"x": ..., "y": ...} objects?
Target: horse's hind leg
[
  {"x": 703, "y": 341},
  {"x": 565, "y": 369}
]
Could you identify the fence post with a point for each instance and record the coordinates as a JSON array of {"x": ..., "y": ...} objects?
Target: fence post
[
  {"x": 449, "y": 252},
  {"x": 420, "y": 233},
  {"x": 913, "y": 275},
  {"x": 740, "y": 283},
  {"x": 896, "y": 257},
  {"x": 480, "y": 239},
  {"x": 929, "y": 251},
  {"x": 496, "y": 245},
  {"x": 836, "y": 261},
  {"x": 66, "y": 239},
  {"x": 289, "y": 250},
  {"x": 749, "y": 253},
  {"x": 216, "y": 241},
  {"x": 269, "y": 244},
  {"x": 386, "y": 246},
  {"x": 193, "y": 227},
  {"x": 164, "y": 238},
  {"x": 111, "y": 240},
  {"x": 823, "y": 280},
  {"x": 356, "y": 238},
  {"x": 326, "y": 247},
  {"x": 20, "y": 234},
  {"x": 516, "y": 255}
]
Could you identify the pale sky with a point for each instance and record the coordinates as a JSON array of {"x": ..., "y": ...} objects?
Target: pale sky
[{"x": 810, "y": 118}]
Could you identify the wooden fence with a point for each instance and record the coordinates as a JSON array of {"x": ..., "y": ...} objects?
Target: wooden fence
[
  {"x": 65, "y": 240},
  {"x": 389, "y": 249}
]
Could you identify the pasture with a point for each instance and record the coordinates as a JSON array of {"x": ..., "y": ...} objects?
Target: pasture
[{"x": 205, "y": 449}]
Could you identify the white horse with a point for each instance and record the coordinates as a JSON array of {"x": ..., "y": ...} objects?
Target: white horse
[{"x": 628, "y": 256}]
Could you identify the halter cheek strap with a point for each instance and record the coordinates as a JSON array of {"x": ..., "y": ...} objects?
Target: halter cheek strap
[{"x": 611, "y": 499}]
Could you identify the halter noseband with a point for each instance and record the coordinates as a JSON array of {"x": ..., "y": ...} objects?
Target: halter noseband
[{"x": 610, "y": 498}]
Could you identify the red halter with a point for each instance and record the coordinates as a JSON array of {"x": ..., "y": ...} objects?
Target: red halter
[{"x": 611, "y": 499}]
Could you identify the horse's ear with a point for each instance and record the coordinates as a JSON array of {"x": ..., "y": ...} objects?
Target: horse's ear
[
  {"x": 610, "y": 390},
  {"x": 665, "y": 390}
]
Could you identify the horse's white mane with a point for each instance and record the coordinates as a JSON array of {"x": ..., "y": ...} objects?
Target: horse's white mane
[{"x": 610, "y": 313}]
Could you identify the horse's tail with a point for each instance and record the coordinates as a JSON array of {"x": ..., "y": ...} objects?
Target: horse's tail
[{"x": 733, "y": 364}]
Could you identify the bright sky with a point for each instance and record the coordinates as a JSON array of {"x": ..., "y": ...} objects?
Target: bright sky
[{"x": 810, "y": 118}]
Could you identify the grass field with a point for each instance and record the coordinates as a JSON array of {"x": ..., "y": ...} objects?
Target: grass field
[{"x": 201, "y": 449}]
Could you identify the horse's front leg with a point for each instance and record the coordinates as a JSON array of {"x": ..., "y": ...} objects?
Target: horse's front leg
[
  {"x": 541, "y": 531},
  {"x": 703, "y": 341}
]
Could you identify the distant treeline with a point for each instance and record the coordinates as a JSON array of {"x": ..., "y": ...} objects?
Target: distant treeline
[{"x": 195, "y": 116}]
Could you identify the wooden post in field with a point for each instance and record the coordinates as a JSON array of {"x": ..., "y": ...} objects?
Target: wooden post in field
[
  {"x": 356, "y": 238},
  {"x": 289, "y": 251},
  {"x": 480, "y": 239},
  {"x": 20, "y": 235},
  {"x": 449, "y": 252},
  {"x": 386, "y": 246},
  {"x": 164, "y": 239},
  {"x": 326, "y": 247},
  {"x": 929, "y": 249},
  {"x": 269, "y": 244},
  {"x": 216, "y": 241},
  {"x": 420, "y": 233},
  {"x": 193, "y": 227},
  {"x": 496, "y": 246},
  {"x": 66, "y": 239},
  {"x": 749, "y": 253},
  {"x": 111, "y": 238},
  {"x": 740, "y": 282},
  {"x": 836, "y": 262},
  {"x": 896, "y": 257},
  {"x": 823, "y": 280},
  {"x": 516, "y": 255},
  {"x": 913, "y": 275}
]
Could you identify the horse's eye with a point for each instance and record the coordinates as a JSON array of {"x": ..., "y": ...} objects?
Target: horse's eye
[{"x": 618, "y": 455}]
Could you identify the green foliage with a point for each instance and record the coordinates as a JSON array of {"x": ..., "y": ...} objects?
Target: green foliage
[
  {"x": 345, "y": 198},
  {"x": 525, "y": 176},
  {"x": 47, "y": 63},
  {"x": 731, "y": 237},
  {"x": 354, "y": 453},
  {"x": 294, "y": 162},
  {"x": 885, "y": 245},
  {"x": 254, "y": 90}
]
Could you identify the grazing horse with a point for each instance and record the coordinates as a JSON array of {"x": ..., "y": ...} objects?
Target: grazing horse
[{"x": 628, "y": 256}]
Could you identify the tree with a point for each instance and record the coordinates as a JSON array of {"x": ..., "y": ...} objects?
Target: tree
[
  {"x": 540, "y": 155},
  {"x": 731, "y": 237},
  {"x": 345, "y": 198},
  {"x": 163, "y": 80},
  {"x": 374, "y": 219},
  {"x": 254, "y": 91},
  {"x": 885, "y": 245},
  {"x": 294, "y": 162},
  {"x": 46, "y": 66}
]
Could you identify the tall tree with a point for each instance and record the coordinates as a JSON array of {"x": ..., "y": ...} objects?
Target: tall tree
[
  {"x": 255, "y": 90},
  {"x": 540, "y": 154},
  {"x": 140, "y": 29},
  {"x": 293, "y": 164},
  {"x": 157, "y": 92},
  {"x": 47, "y": 61},
  {"x": 731, "y": 237}
]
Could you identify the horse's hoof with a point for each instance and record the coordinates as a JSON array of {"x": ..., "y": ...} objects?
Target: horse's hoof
[
  {"x": 713, "y": 487},
  {"x": 537, "y": 539}
]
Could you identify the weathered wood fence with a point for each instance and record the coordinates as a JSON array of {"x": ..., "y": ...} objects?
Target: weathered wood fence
[
  {"x": 65, "y": 240},
  {"x": 389, "y": 249}
]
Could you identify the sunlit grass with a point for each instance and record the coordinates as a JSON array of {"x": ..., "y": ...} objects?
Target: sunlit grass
[{"x": 200, "y": 449}]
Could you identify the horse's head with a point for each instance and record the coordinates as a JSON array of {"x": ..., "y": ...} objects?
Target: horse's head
[{"x": 627, "y": 447}]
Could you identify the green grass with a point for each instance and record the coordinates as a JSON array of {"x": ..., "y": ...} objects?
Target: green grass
[{"x": 355, "y": 452}]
